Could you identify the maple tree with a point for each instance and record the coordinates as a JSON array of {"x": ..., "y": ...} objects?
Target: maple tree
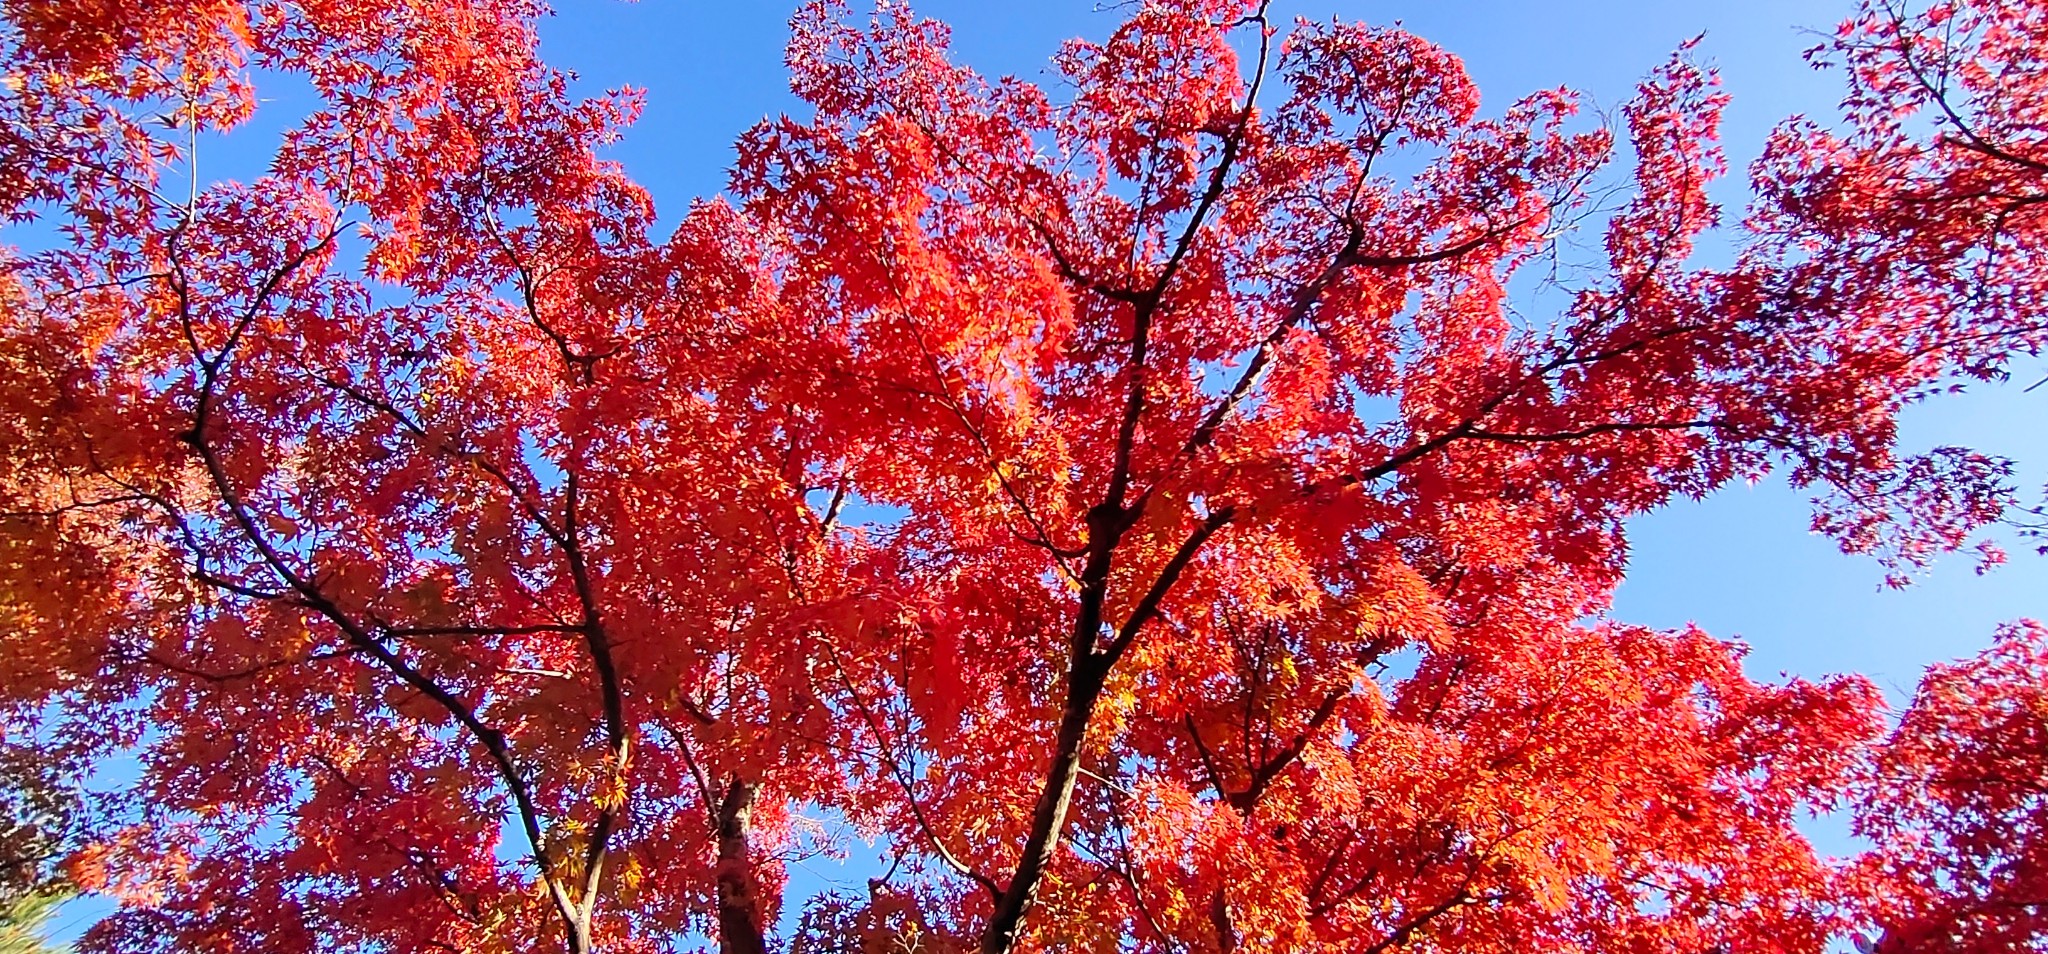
[
  {"x": 470, "y": 569},
  {"x": 1921, "y": 216},
  {"x": 1956, "y": 804}
]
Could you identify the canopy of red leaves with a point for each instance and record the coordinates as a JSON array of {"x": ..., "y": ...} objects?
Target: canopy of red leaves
[{"x": 1155, "y": 502}]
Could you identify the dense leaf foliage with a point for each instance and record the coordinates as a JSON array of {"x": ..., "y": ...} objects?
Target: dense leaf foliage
[
  {"x": 1176, "y": 507},
  {"x": 1957, "y": 805}
]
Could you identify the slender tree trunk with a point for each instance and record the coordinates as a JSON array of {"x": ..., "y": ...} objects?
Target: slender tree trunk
[
  {"x": 739, "y": 905},
  {"x": 1090, "y": 662},
  {"x": 1086, "y": 671},
  {"x": 1049, "y": 817}
]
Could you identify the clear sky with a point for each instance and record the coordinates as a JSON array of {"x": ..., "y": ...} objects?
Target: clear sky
[{"x": 1740, "y": 564}]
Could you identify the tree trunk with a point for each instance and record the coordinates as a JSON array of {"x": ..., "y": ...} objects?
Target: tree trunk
[
  {"x": 739, "y": 906},
  {"x": 1049, "y": 817}
]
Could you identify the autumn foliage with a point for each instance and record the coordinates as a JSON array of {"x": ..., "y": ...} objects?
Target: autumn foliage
[
  {"x": 1954, "y": 806},
  {"x": 1149, "y": 502}
]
